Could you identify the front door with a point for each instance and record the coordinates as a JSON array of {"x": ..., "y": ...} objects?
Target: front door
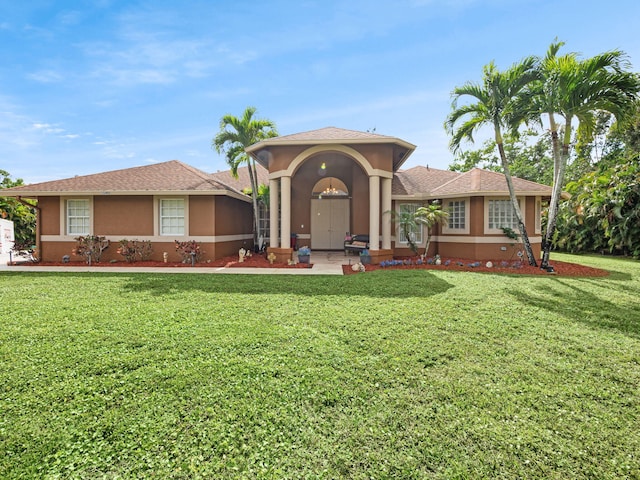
[{"x": 329, "y": 223}]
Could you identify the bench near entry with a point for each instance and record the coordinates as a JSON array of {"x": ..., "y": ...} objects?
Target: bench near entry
[{"x": 356, "y": 243}]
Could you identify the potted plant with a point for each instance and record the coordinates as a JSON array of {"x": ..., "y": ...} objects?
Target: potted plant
[
  {"x": 304, "y": 255},
  {"x": 365, "y": 258}
]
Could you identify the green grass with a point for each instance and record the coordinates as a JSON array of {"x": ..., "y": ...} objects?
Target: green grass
[{"x": 405, "y": 374}]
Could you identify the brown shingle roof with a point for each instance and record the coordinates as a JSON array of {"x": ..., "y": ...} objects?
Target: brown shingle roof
[
  {"x": 171, "y": 176},
  {"x": 331, "y": 133},
  {"x": 174, "y": 176},
  {"x": 420, "y": 180},
  {"x": 478, "y": 181},
  {"x": 243, "y": 180}
]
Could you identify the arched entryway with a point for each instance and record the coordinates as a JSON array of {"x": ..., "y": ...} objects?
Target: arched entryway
[
  {"x": 364, "y": 161},
  {"x": 330, "y": 214}
]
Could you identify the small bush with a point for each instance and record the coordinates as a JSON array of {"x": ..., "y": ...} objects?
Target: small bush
[
  {"x": 189, "y": 250},
  {"x": 91, "y": 247},
  {"x": 132, "y": 250}
]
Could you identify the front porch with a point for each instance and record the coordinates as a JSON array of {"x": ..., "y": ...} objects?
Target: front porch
[{"x": 304, "y": 201}]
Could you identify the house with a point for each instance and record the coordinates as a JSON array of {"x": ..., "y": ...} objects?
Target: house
[
  {"x": 162, "y": 203},
  {"x": 325, "y": 182}
]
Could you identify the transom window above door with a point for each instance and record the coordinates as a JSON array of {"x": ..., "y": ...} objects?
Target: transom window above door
[{"x": 330, "y": 186}]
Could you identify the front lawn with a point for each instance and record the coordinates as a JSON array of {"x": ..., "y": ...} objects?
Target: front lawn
[{"x": 389, "y": 374}]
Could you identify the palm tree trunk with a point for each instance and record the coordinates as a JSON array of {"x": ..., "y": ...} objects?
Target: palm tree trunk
[
  {"x": 254, "y": 199},
  {"x": 426, "y": 247},
  {"x": 514, "y": 202},
  {"x": 560, "y": 157}
]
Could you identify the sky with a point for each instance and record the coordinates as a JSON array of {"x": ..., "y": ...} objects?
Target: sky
[{"x": 91, "y": 86}]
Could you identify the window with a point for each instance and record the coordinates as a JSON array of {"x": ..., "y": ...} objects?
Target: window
[
  {"x": 501, "y": 215},
  {"x": 408, "y": 209},
  {"x": 264, "y": 219},
  {"x": 172, "y": 216},
  {"x": 538, "y": 215},
  {"x": 78, "y": 217},
  {"x": 457, "y": 215}
]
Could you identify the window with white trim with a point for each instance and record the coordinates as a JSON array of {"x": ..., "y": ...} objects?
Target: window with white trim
[
  {"x": 78, "y": 216},
  {"x": 264, "y": 219},
  {"x": 459, "y": 221},
  {"x": 457, "y": 214},
  {"x": 538, "y": 215},
  {"x": 415, "y": 231},
  {"x": 172, "y": 216},
  {"x": 500, "y": 214}
]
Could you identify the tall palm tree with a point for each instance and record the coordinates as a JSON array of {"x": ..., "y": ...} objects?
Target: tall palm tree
[
  {"x": 235, "y": 135},
  {"x": 430, "y": 216},
  {"x": 496, "y": 104},
  {"x": 571, "y": 89}
]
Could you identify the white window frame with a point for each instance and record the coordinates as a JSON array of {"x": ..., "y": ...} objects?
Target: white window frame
[
  {"x": 538, "y": 214},
  {"x": 417, "y": 231},
  {"x": 264, "y": 218},
  {"x": 498, "y": 230},
  {"x": 66, "y": 217},
  {"x": 159, "y": 216},
  {"x": 446, "y": 229}
]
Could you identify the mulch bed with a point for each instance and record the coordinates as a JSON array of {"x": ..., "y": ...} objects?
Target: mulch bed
[
  {"x": 254, "y": 261},
  {"x": 563, "y": 269}
]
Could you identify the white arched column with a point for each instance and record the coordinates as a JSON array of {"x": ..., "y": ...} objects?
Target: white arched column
[
  {"x": 285, "y": 209},
  {"x": 274, "y": 212},
  {"x": 386, "y": 207},
  {"x": 374, "y": 212}
]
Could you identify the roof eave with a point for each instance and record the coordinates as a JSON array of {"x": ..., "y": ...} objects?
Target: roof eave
[{"x": 102, "y": 193}]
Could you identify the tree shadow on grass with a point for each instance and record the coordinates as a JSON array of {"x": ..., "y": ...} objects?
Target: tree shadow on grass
[
  {"x": 397, "y": 285},
  {"x": 601, "y": 309}
]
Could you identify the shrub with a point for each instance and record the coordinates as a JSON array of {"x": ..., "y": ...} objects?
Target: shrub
[
  {"x": 131, "y": 250},
  {"x": 91, "y": 247},
  {"x": 189, "y": 250}
]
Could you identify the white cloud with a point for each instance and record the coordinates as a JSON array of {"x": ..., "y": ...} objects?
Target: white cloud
[
  {"x": 45, "y": 76},
  {"x": 48, "y": 128}
]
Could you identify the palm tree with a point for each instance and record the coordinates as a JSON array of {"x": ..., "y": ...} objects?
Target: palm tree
[
  {"x": 235, "y": 135},
  {"x": 569, "y": 88},
  {"x": 496, "y": 105},
  {"x": 406, "y": 222},
  {"x": 430, "y": 216}
]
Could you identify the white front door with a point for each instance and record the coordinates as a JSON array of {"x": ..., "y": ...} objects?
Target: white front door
[{"x": 329, "y": 223}]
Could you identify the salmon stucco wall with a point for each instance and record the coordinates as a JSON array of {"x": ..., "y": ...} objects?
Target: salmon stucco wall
[
  {"x": 123, "y": 216},
  {"x": 49, "y": 215},
  {"x": 202, "y": 215}
]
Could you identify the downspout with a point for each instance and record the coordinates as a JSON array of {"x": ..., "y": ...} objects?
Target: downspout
[{"x": 38, "y": 213}]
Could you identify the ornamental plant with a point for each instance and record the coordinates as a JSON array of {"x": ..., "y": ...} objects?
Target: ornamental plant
[
  {"x": 189, "y": 251},
  {"x": 90, "y": 247},
  {"x": 132, "y": 250}
]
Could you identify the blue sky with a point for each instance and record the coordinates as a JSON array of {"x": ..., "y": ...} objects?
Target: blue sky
[{"x": 90, "y": 86}]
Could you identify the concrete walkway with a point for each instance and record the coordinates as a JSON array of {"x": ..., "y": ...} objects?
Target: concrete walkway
[{"x": 324, "y": 263}]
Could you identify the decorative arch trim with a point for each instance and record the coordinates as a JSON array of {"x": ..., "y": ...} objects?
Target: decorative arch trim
[{"x": 354, "y": 154}]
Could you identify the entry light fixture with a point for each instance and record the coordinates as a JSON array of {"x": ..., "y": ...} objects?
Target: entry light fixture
[{"x": 330, "y": 190}]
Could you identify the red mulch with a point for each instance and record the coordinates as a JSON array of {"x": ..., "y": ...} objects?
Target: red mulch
[
  {"x": 254, "y": 261},
  {"x": 259, "y": 261},
  {"x": 563, "y": 269}
]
